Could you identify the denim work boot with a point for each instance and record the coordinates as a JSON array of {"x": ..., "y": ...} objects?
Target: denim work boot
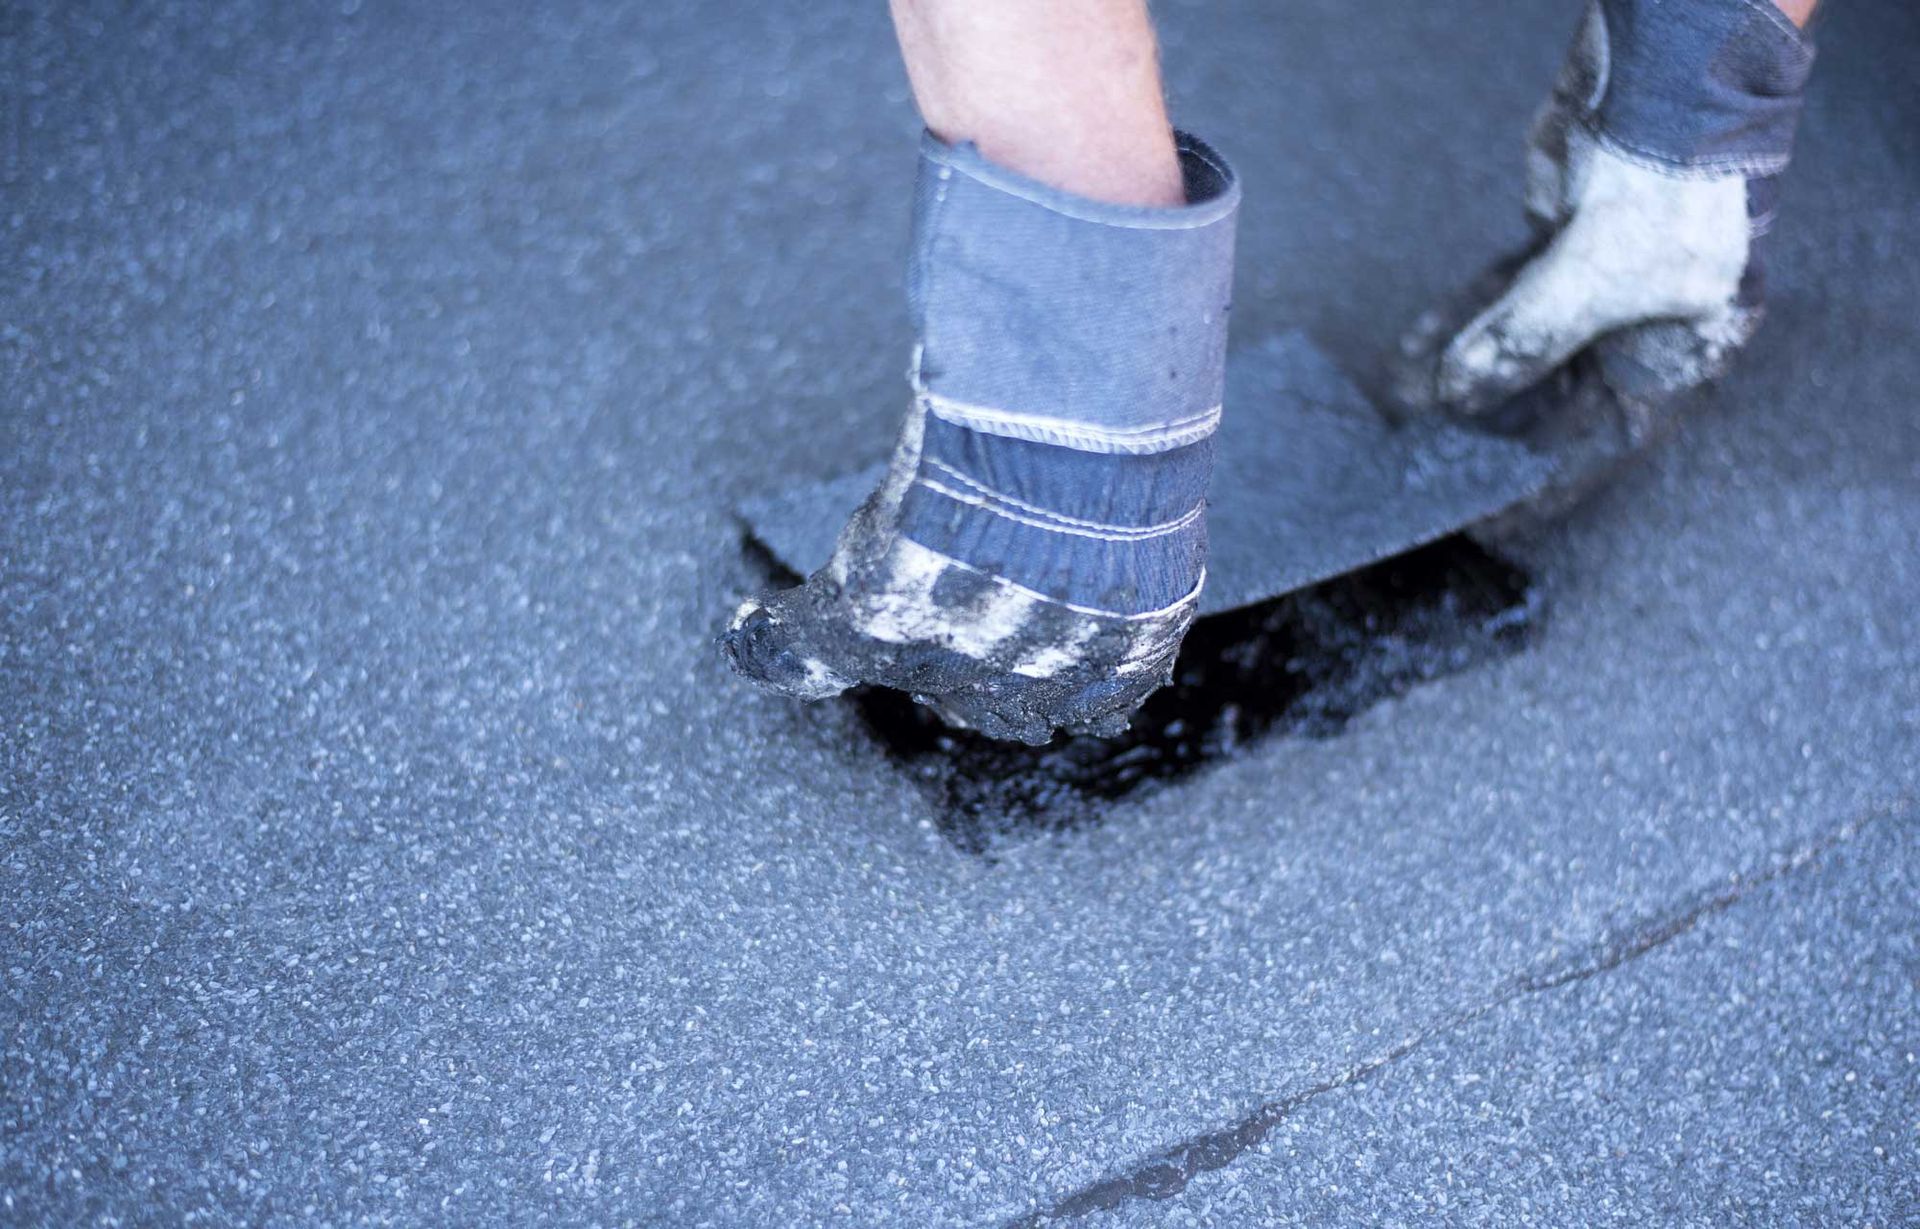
[
  {"x": 1035, "y": 554},
  {"x": 1650, "y": 179}
]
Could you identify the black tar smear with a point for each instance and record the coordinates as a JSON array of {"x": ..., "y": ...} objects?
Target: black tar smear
[{"x": 1304, "y": 664}]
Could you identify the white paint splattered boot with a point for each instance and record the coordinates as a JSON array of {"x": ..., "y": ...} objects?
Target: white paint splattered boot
[
  {"x": 1035, "y": 554},
  {"x": 1650, "y": 179}
]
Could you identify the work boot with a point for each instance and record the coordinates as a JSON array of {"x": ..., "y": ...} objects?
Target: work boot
[
  {"x": 1036, "y": 551},
  {"x": 1650, "y": 180}
]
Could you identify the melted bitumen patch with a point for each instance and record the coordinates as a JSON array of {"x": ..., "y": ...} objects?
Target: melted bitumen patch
[{"x": 1304, "y": 665}]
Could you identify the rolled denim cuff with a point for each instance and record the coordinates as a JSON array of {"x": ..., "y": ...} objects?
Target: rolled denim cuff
[
  {"x": 1069, "y": 372},
  {"x": 1708, "y": 85},
  {"x": 1048, "y": 316}
]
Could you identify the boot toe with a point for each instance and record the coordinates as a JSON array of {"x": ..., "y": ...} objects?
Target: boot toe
[{"x": 761, "y": 649}]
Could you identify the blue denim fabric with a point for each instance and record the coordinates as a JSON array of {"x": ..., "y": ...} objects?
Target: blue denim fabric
[
  {"x": 1070, "y": 366},
  {"x": 1132, "y": 490},
  {"x": 1124, "y": 576},
  {"x": 1033, "y": 300},
  {"x": 1713, "y": 85}
]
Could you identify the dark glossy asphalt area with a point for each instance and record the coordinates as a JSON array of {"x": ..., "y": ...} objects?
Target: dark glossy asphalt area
[{"x": 381, "y": 840}]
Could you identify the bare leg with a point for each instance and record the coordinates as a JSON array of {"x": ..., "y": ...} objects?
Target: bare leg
[
  {"x": 1798, "y": 11},
  {"x": 1067, "y": 91}
]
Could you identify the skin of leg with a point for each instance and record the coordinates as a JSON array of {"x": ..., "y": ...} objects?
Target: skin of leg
[
  {"x": 1798, "y": 11},
  {"x": 1065, "y": 91}
]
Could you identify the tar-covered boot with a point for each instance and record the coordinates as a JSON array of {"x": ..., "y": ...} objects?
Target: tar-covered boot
[{"x": 1036, "y": 551}]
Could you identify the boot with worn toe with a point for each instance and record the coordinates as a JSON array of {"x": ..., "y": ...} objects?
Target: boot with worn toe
[
  {"x": 1651, "y": 176},
  {"x": 1035, "y": 553}
]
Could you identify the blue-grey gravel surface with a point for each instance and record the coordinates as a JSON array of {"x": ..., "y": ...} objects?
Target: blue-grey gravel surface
[
  {"x": 382, "y": 840},
  {"x": 1754, "y": 1058}
]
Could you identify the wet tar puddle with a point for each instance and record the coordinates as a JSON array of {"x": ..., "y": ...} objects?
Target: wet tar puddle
[{"x": 1302, "y": 665}]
